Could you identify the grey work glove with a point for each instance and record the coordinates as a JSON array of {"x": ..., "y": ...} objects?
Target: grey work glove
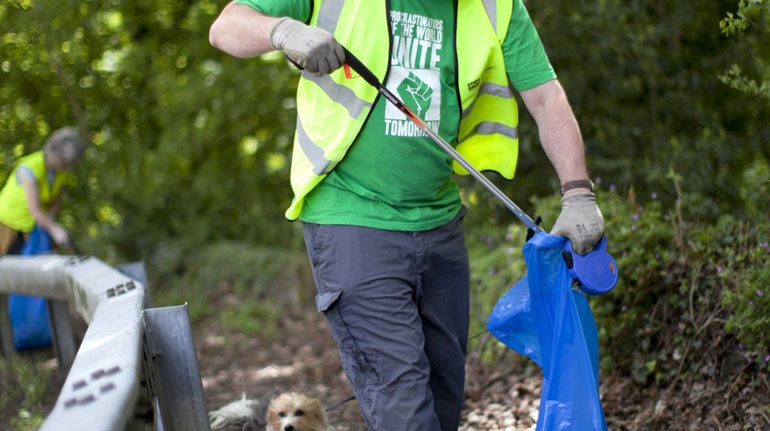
[
  {"x": 580, "y": 221},
  {"x": 311, "y": 48}
]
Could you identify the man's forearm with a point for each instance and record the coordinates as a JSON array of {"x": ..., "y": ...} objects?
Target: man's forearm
[
  {"x": 558, "y": 129},
  {"x": 241, "y": 31},
  {"x": 580, "y": 219}
]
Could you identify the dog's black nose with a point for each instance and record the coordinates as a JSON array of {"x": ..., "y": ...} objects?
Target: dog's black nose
[{"x": 288, "y": 428}]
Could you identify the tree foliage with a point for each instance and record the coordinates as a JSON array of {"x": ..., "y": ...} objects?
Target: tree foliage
[
  {"x": 187, "y": 142},
  {"x": 748, "y": 12},
  {"x": 643, "y": 78},
  {"x": 191, "y": 147},
  {"x": 191, "y": 143}
]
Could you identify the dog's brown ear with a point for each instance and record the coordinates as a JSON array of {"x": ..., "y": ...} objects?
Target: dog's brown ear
[
  {"x": 272, "y": 415},
  {"x": 316, "y": 409}
]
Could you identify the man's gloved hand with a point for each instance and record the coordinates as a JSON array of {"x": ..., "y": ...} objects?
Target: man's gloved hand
[
  {"x": 60, "y": 235},
  {"x": 580, "y": 221},
  {"x": 311, "y": 48}
]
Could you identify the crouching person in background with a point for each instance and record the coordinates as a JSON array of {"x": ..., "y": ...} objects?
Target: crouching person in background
[{"x": 32, "y": 194}]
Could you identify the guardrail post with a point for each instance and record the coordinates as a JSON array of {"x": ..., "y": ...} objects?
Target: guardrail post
[
  {"x": 158, "y": 418},
  {"x": 6, "y": 334},
  {"x": 173, "y": 368},
  {"x": 62, "y": 336}
]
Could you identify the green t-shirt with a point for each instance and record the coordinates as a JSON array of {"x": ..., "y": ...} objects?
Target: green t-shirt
[{"x": 394, "y": 177}]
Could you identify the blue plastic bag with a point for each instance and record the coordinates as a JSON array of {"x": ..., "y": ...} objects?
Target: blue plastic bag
[
  {"x": 543, "y": 318},
  {"x": 29, "y": 314}
]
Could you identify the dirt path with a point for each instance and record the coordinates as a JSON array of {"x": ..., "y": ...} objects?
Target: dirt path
[
  {"x": 500, "y": 397},
  {"x": 304, "y": 358}
]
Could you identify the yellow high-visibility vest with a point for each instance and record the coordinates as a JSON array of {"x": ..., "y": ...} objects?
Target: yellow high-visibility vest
[
  {"x": 331, "y": 110},
  {"x": 14, "y": 208}
]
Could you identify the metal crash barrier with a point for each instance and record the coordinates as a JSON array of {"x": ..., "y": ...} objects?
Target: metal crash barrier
[{"x": 103, "y": 385}]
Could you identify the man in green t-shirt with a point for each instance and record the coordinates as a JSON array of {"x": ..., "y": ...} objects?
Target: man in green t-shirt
[{"x": 383, "y": 228}]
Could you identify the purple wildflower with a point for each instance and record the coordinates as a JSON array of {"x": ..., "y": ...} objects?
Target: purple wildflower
[
  {"x": 623, "y": 308},
  {"x": 763, "y": 244},
  {"x": 654, "y": 195},
  {"x": 767, "y": 358},
  {"x": 635, "y": 216},
  {"x": 760, "y": 292}
]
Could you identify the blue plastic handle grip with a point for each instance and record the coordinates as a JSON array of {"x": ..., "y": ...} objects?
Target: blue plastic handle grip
[{"x": 596, "y": 271}]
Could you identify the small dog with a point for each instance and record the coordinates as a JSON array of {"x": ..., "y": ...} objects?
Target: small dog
[{"x": 290, "y": 411}]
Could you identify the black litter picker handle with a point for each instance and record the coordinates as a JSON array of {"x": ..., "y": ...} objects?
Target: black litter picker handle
[
  {"x": 352, "y": 61},
  {"x": 371, "y": 78}
]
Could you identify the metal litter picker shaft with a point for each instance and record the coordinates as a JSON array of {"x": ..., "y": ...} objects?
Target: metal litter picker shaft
[
  {"x": 369, "y": 77},
  {"x": 596, "y": 271}
]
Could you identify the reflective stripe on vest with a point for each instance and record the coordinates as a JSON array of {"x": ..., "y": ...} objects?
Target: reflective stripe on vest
[
  {"x": 489, "y": 128},
  {"x": 329, "y": 15},
  {"x": 339, "y": 93},
  {"x": 314, "y": 153},
  {"x": 491, "y": 7},
  {"x": 332, "y": 109},
  {"x": 503, "y": 91}
]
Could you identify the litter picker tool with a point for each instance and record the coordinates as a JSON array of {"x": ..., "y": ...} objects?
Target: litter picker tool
[
  {"x": 596, "y": 272},
  {"x": 369, "y": 77}
]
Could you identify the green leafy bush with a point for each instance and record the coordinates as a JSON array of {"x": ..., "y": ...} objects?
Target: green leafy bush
[
  {"x": 749, "y": 299},
  {"x": 683, "y": 284},
  {"x": 749, "y": 11},
  {"x": 249, "y": 283},
  {"x": 25, "y": 384}
]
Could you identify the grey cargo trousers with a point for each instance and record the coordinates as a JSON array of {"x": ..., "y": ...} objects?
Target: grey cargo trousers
[{"x": 397, "y": 304}]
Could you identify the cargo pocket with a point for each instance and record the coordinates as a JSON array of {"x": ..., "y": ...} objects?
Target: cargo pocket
[
  {"x": 325, "y": 274},
  {"x": 357, "y": 360},
  {"x": 325, "y": 300}
]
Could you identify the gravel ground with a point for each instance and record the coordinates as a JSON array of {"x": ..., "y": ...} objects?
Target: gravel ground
[{"x": 500, "y": 397}]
